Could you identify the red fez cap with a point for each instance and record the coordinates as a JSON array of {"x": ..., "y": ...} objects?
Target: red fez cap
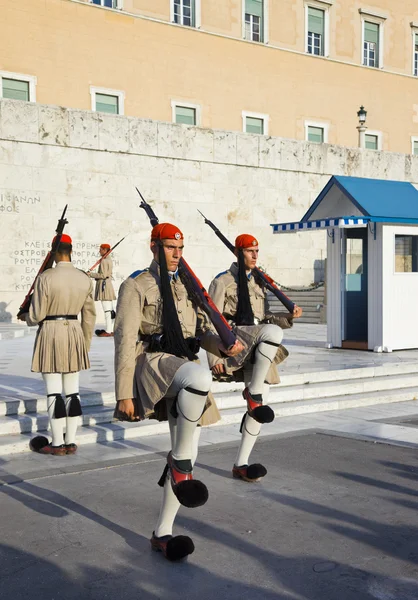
[
  {"x": 166, "y": 231},
  {"x": 246, "y": 241},
  {"x": 65, "y": 239},
  {"x": 105, "y": 246}
]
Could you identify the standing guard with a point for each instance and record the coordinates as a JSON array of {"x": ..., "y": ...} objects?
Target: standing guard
[
  {"x": 104, "y": 290},
  {"x": 241, "y": 297},
  {"x": 62, "y": 343},
  {"x": 158, "y": 332}
]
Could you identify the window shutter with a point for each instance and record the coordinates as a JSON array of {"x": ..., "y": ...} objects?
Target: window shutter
[
  {"x": 316, "y": 20},
  {"x": 108, "y": 104},
  {"x": 371, "y": 32},
  {"x": 16, "y": 90},
  {"x": 254, "y": 7}
]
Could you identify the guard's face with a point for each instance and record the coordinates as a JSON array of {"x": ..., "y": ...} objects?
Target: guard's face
[
  {"x": 102, "y": 251},
  {"x": 250, "y": 257},
  {"x": 173, "y": 250}
]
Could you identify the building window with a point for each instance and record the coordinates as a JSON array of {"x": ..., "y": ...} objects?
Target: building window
[
  {"x": 185, "y": 113},
  {"x": 371, "y": 44},
  {"x": 107, "y": 3},
  {"x": 316, "y": 134},
  {"x": 371, "y": 142},
  {"x": 15, "y": 89},
  {"x": 254, "y": 20},
  {"x": 16, "y": 86},
  {"x": 415, "y": 56},
  {"x": 107, "y": 101},
  {"x": 255, "y": 123},
  {"x": 414, "y": 144},
  {"x": 406, "y": 253},
  {"x": 316, "y": 31},
  {"x": 184, "y": 12}
]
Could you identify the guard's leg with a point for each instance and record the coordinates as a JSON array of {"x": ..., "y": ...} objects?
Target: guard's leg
[
  {"x": 190, "y": 386},
  {"x": 56, "y": 414},
  {"x": 250, "y": 429},
  {"x": 180, "y": 546},
  {"x": 268, "y": 341},
  {"x": 73, "y": 409},
  {"x": 108, "y": 311}
]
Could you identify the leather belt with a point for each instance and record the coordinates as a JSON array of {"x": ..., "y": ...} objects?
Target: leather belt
[{"x": 61, "y": 318}]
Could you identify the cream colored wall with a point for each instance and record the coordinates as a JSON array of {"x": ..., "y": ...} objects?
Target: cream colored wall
[{"x": 70, "y": 46}]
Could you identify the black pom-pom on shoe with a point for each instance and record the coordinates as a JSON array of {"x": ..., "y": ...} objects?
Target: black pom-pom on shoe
[
  {"x": 263, "y": 414},
  {"x": 191, "y": 493},
  {"x": 174, "y": 548},
  {"x": 38, "y": 442},
  {"x": 256, "y": 471},
  {"x": 250, "y": 473}
]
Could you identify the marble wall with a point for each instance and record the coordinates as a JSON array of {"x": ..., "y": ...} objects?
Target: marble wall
[{"x": 51, "y": 156}]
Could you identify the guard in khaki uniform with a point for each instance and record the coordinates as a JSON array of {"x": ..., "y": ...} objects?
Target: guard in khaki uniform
[
  {"x": 104, "y": 291},
  {"x": 243, "y": 303},
  {"x": 157, "y": 334},
  {"x": 61, "y": 345}
]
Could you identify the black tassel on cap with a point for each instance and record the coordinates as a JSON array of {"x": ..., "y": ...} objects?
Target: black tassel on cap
[
  {"x": 245, "y": 315},
  {"x": 174, "y": 342}
]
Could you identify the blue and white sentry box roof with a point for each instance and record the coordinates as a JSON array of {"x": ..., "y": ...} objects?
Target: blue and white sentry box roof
[{"x": 365, "y": 200}]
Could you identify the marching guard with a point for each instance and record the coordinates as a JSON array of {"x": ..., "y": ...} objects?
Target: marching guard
[
  {"x": 104, "y": 290},
  {"x": 158, "y": 330},
  {"x": 241, "y": 297}
]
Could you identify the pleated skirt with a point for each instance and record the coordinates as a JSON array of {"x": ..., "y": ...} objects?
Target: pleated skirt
[
  {"x": 60, "y": 348},
  {"x": 153, "y": 376}
]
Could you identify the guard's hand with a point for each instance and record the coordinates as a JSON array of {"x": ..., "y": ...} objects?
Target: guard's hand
[
  {"x": 126, "y": 410},
  {"x": 22, "y": 317},
  {"x": 236, "y": 349},
  {"x": 218, "y": 369},
  {"x": 297, "y": 312}
]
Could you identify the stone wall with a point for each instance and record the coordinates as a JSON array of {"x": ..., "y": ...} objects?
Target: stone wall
[{"x": 51, "y": 156}]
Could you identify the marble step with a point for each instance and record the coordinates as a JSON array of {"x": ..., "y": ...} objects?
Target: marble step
[
  {"x": 333, "y": 382},
  {"x": 96, "y": 414},
  {"x": 110, "y": 432}
]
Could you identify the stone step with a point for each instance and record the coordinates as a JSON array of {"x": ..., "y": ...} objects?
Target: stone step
[
  {"x": 94, "y": 415},
  {"x": 102, "y": 432},
  {"x": 343, "y": 380}
]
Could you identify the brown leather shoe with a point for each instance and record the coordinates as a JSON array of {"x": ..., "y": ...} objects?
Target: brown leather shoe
[
  {"x": 71, "y": 448},
  {"x": 53, "y": 450},
  {"x": 250, "y": 473},
  {"x": 103, "y": 333},
  {"x": 173, "y": 548}
]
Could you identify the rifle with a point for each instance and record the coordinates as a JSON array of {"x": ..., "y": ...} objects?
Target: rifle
[
  {"x": 47, "y": 264},
  {"x": 196, "y": 290},
  {"x": 106, "y": 255},
  {"x": 260, "y": 275}
]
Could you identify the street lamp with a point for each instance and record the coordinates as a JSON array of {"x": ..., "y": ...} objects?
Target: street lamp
[{"x": 361, "y": 128}]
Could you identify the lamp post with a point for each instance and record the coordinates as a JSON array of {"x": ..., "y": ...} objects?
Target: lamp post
[{"x": 361, "y": 128}]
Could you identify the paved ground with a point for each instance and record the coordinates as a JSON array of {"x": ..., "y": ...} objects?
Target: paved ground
[
  {"x": 334, "y": 519},
  {"x": 304, "y": 341}
]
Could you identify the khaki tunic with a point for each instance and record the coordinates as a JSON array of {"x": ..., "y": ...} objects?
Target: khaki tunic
[
  {"x": 224, "y": 292},
  {"x": 62, "y": 346},
  {"x": 147, "y": 376},
  {"x": 104, "y": 287}
]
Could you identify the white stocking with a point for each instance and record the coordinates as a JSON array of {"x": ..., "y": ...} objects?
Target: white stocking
[
  {"x": 53, "y": 383},
  {"x": 250, "y": 430},
  {"x": 107, "y": 309},
  {"x": 170, "y": 505},
  {"x": 71, "y": 386},
  {"x": 264, "y": 355}
]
